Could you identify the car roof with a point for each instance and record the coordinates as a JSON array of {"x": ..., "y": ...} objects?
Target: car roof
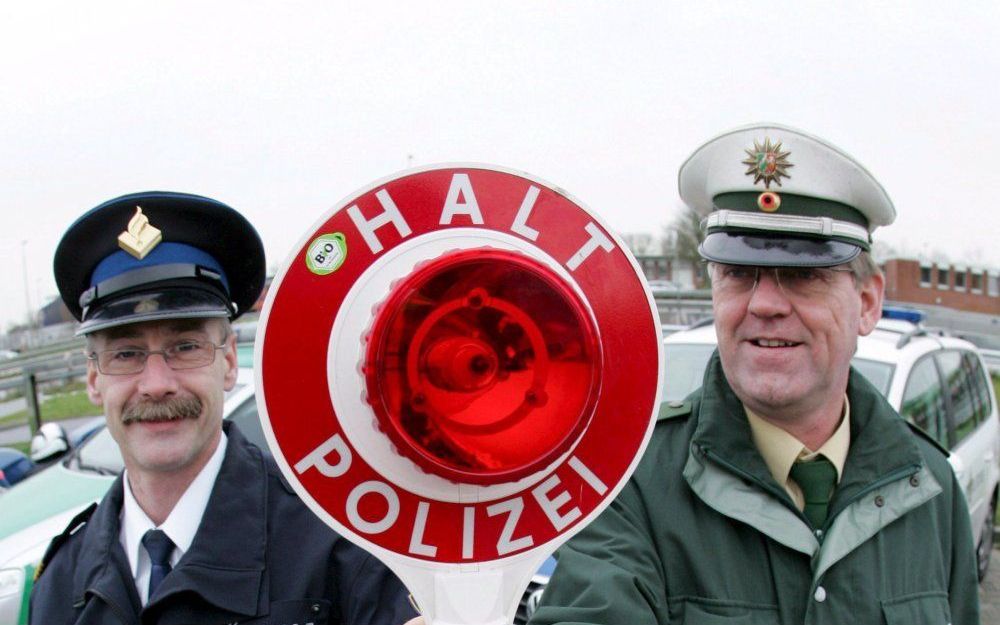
[
  {"x": 893, "y": 341},
  {"x": 698, "y": 333}
]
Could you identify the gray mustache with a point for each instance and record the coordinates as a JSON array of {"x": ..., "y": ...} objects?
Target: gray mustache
[{"x": 172, "y": 409}]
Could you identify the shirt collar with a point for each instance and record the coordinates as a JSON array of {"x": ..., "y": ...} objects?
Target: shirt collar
[
  {"x": 182, "y": 523},
  {"x": 780, "y": 449}
]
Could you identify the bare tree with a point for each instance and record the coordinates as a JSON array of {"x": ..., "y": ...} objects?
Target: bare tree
[
  {"x": 640, "y": 243},
  {"x": 686, "y": 234}
]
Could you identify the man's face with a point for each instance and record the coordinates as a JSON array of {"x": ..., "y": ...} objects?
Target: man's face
[
  {"x": 164, "y": 420},
  {"x": 786, "y": 352}
]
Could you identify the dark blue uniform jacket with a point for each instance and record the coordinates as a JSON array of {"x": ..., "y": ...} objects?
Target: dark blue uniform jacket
[{"x": 260, "y": 556}]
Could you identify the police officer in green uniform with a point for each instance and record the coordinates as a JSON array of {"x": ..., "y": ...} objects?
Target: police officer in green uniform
[
  {"x": 201, "y": 527},
  {"x": 785, "y": 490}
]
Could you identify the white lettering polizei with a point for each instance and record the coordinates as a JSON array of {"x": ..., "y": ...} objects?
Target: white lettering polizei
[
  {"x": 520, "y": 225},
  {"x": 550, "y": 505},
  {"x": 468, "y": 531},
  {"x": 372, "y": 487},
  {"x": 597, "y": 240},
  {"x": 461, "y": 188},
  {"x": 317, "y": 458},
  {"x": 588, "y": 476},
  {"x": 390, "y": 214},
  {"x": 417, "y": 545},
  {"x": 507, "y": 543}
]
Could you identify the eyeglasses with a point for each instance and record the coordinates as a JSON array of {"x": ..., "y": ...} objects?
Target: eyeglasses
[
  {"x": 797, "y": 281},
  {"x": 185, "y": 355}
]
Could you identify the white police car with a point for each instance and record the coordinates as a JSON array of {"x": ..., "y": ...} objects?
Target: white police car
[{"x": 937, "y": 382}]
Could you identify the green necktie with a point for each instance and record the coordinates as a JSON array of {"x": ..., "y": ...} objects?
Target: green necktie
[{"x": 817, "y": 479}]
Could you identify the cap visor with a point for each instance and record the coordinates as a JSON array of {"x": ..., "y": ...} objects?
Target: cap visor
[
  {"x": 775, "y": 251},
  {"x": 153, "y": 306}
]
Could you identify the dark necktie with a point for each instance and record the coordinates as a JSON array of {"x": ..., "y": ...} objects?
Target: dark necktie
[
  {"x": 159, "y": 547},
  {"x": 817, "y": 479}
]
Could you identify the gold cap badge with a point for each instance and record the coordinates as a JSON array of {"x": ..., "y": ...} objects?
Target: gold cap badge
[{"x": 140, "y": 237}]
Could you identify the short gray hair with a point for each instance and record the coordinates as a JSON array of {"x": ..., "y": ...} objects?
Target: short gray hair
[{"x": 864, "y": 267}]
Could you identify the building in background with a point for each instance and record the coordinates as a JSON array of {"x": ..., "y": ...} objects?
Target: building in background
[{"x": 961, "y": 287}]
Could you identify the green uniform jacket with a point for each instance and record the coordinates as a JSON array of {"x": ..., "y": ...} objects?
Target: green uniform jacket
[{"x": 703, "y": 535}]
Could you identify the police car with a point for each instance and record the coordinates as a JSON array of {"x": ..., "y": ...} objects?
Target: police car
[{"x": 937, "y": 382}]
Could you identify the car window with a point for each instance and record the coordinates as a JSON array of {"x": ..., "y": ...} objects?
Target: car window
[
  {"x": 980, "y": 389},
  {"x": 924, "y": 402},
  {"x": 878, "y": 373},
  {"x": 244, "y": 354},
  {"x": 959, "y": 389},
  {"x": 245, "y": 417},
  {"x": 100, "y": 454},
  {"x": 684, "y": 368}
]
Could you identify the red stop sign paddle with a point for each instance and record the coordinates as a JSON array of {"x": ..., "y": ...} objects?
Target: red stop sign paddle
[{"x": 457, "y": 369}]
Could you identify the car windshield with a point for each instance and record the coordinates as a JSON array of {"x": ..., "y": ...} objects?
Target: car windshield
[
  {"x": 100, "y": 455},
  {"x": 878, "y": 373},
  {"x": 684, "y": 368}
]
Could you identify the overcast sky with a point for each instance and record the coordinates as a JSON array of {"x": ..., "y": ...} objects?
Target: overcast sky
[{"x": 283, "y": 109}]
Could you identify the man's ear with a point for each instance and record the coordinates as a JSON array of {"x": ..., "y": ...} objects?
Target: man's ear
[
  {"x": 232, "y": 362},
  {"x": 871, "y": 293},
  {"x": 93, "y": 393}
]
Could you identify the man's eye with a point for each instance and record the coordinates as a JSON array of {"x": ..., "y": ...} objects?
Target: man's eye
[
  {"x": 804, "y": 274},
  {"x": 126, "y": 355},
  {"x": 186, "y": 348},
  {"x": 738, "y": 273}
]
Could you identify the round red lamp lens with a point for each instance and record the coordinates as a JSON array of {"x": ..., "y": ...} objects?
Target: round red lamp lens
[{"x": 483, "y": 366}]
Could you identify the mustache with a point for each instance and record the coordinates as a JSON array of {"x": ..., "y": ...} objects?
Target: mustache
[{"x": 172, "y": 409}]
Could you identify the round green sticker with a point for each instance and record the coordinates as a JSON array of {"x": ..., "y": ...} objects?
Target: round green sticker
[{"x": 326, "y": 253}]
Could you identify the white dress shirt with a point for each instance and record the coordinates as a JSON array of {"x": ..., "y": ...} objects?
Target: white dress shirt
[{"x": 180, "y": 526}]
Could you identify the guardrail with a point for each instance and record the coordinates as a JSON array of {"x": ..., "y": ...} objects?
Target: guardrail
[
  {"x": 29, "y": 380},
  {"x": 992, "y": 359}
]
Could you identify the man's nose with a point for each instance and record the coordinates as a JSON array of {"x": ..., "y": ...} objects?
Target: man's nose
[
  {"x": 768, "y": 299},
  {"x": 157, "y": 379}
]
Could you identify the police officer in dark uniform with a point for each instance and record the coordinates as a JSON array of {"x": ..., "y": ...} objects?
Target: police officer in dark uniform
[{"x": 200, "y": 528}]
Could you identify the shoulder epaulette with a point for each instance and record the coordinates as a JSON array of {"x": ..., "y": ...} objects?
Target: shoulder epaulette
[
  {"x": 78, "y": 521},
  {"x": 673, "y": 410},
  {"x": 919, "y": 431}
]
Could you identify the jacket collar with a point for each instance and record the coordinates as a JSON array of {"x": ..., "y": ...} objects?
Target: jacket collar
[
  {"x": 881, "y": 444},
  {"x": 724, "y": 432},
  {"x": 225, "y": 565},
  {"x": 102, "y": 568}
]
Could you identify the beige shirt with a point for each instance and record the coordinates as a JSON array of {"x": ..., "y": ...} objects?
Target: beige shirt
[{"x": 781, "y": 450}]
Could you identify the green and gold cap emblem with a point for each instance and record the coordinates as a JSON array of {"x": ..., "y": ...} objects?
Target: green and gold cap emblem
[{"x": 767, "y": 162}]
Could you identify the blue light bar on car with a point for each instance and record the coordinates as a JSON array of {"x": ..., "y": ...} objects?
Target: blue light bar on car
[{"x": 904, "y": 314}]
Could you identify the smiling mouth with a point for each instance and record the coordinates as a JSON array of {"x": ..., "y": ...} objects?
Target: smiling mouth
[{"x": 773, "y": 343}]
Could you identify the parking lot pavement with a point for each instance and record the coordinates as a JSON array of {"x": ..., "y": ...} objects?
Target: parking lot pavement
[{"x": 989, "y": 592}]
